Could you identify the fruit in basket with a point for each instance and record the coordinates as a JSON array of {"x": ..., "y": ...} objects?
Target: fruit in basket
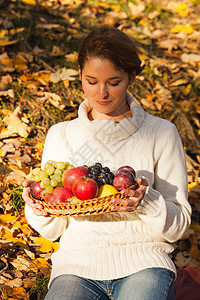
[
  {"x": 102, "y": 175},
  {"x": 36, "y": 190},
  {"x": 71, "y": 175},
  {"x": 51, "y": 176},
  {"x": 59, "y": 195},
  {"x": 106, "y": 190},
  {"x": 129, "y": 168},
  {"x": 85, "y": 188},
  {"x": 123, "y": 180}
]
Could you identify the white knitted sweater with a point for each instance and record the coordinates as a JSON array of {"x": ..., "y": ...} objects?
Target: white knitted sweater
[{"x": 115, "y": 245}]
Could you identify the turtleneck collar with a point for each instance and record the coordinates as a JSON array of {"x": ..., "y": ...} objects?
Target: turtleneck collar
[{"x": 107, "y": 130}]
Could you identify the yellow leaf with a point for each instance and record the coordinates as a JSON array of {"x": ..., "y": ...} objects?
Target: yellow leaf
[
  {"x": 182, "y": 9},
  {"x": 17, "y": 293},
  {"x": 17, "y": 224},
  {"x": 102, "y": 4},
  {"x": 30, "y": 2},
  {"x": 181, "y": 6},
  {"x": 3, "y": 32},
  {"x": 6, "y": 112},
  {"x": 7, "y": 218},
  {"x": 194, "y": 186},
  {"x": 56, "y": 246},
  {"x": 72, "y": 57},
  {"x": 25, "y": 229},
  {"x": 177, "y": 29},
  {"x": 45, "y": 245},
  {"x": 188, "y": 29},
  {"x": 143, "y": 56},
  {"x": 188, "y": 89},
  {"x": 179, "y": 82},
  {"x": 40, "y": 264},
  {"x": 17, "y": 30},
  {"x": 7, "y": 235},
  {"x": 5, "y": 41},
  {"x": 21, "y": 63},
  {"x": 116, "y": 8},
  {"x": 39, "y": 145}
]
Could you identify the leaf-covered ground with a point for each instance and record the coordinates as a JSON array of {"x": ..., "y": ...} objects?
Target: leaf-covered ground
[{"x": 39, "y": 86}]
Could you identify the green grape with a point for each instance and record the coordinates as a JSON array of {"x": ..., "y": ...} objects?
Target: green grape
[
  {"x": 42, "y": 175},
  {"x": 57, "y": 177},
  {"x": 47, "y": 164},
  {"x": 46, "y": 181},
  {"x": 60, "y": 165},
  {"x": 51, "y": 162},
  {"x": 42, "y": 185},
  {"x": 70, "y": 167},
  {"x": 37, "y": 177},
  {"x": 66, "y": 165},
  {"x": 36, "y": 171},
  {"x": 49, "y": 189},
  {"x": 50, "y": 170},
  {"x": 58, "y": 172},
  {"x": 53, "y": 182}
]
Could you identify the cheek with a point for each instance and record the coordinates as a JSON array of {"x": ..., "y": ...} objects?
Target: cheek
[{"x": 88, "y": 90}]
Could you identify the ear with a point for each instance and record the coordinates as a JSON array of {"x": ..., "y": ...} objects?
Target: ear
[{"x": 80, "y": 73}]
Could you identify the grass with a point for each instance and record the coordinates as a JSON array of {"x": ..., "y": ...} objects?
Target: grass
[
  {"x": 39, "y": 289},
  {"x": 16, "y": 197}
]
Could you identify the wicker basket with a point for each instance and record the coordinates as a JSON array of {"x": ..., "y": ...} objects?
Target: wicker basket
[{"x": 93, "y": 206}]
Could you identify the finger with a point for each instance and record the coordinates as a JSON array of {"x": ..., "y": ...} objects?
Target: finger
[
  {"x": 126, "y": 203},
  {"x": 130, "y": 193},
  {"x": 142, "y": 181},
  {"x": 122, "y": 208},
  {"x": 27, "y": 183},
  {"x": 26, "y": 196},
  {"x": 38, "y": 212}
]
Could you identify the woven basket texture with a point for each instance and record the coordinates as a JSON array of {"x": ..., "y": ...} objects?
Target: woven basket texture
[{"x": 93, "y": 206}]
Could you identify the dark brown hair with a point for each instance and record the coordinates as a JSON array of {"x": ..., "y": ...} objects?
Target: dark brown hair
[{"x": 107, "y": 42}]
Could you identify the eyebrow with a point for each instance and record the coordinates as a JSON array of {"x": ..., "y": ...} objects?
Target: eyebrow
[{"x": 117, "y": 77}]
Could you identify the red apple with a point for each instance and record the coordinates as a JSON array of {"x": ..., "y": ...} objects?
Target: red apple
[
  {"x": 59, "y": 195},
  {"x": 123, "y": 180},
  {"x": 129, "y": 168},
  {"x": 85, "y": 188},
  {"x": 70, "y": 176},
  {"x": 36, "y": 190}
]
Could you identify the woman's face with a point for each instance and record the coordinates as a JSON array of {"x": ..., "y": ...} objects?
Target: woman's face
[{"x": 105, "y": 88}]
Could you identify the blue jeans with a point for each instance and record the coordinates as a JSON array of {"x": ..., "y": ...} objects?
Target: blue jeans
[{"x": 148, "y": 284}]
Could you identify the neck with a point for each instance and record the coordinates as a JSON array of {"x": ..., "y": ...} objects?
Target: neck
[{"x": 117, "y": 116}]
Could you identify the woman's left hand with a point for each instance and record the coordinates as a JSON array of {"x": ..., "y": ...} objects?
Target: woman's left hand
[{"x": 136, "y": 197}]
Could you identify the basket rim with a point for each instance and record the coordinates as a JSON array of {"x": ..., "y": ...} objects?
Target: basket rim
[{"x": 97, "y": 205}]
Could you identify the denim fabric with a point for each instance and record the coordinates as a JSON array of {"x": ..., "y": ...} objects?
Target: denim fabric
[{"x": 148, "y": 284}]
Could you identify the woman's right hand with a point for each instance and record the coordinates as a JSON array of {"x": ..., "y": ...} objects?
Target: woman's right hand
[{"x": 26, "y": 196}]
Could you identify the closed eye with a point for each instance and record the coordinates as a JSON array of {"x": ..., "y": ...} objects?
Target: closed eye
[
  {"x": 114, "y": 84},
  {"x": 92, "y": 83}
]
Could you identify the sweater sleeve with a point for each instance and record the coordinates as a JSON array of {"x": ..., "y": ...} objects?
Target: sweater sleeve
[
  {"x": 165, "y": 207},
  {"x": 50, "y": 227}
]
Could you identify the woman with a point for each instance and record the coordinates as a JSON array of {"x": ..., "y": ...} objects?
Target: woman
[{"x": 124, "y": 254}]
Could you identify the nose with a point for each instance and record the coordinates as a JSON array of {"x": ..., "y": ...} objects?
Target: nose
[{"x": 104, "y": 92}]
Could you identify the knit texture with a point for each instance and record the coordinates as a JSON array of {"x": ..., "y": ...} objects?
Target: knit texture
[{"x": 115, "y": 245}]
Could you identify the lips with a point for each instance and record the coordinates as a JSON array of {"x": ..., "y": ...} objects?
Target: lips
[{"x": 103, "y": 102}]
